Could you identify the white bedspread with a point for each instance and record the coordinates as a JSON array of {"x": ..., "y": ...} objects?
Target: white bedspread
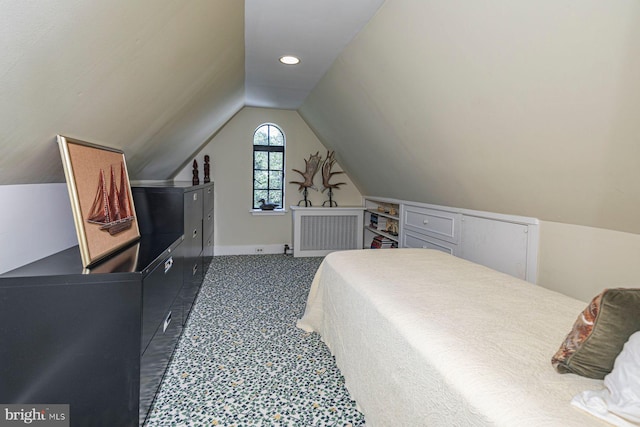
[{"x": 425, "y": 338}]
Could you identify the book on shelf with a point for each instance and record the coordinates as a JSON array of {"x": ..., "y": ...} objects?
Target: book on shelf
[
  {"x": 382, "y": 242},
  {"x": 373, "y": 220},
  {"x": 377, "y": 222}
]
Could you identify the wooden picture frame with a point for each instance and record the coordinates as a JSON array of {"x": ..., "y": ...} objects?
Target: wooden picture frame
[{"x": 101, "y": 198}]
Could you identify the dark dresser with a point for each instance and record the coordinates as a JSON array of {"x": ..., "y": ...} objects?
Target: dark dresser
[
  {"x": 97, "y": 339},
  {"x": 184, "y": 208}
]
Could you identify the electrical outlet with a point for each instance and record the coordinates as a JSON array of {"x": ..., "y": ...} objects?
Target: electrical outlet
[{"x": 259, "y": 250}]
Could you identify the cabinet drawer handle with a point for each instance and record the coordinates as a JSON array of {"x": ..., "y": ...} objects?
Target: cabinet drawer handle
[
  {"x": 426, "y": 221},
  {"x": 209, "y": 217},
  {"x": 195, "y": 269},
  {"x": 195, "y": 234},
  {"x": 168, "y": 264},
  {"x": 166, "y": 323},
  {"x": 195, "y": 196}
]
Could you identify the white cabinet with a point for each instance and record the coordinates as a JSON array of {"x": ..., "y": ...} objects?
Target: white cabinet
[
  {"x": 430, "y": 228},
  {"x": 507, "y": 243},
  {"x": 411, "y": 239},
  {"x": 502, "y": 245}
]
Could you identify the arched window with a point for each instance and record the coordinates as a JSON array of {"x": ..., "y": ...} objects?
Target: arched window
[{"x": 268, "y": 165}]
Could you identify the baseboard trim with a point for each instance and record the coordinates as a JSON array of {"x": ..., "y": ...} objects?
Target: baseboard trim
[{"x": 277, "y": 248}]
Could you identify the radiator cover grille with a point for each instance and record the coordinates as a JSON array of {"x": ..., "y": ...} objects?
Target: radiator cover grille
[
  {"x": 319, "y": 231},
  {"x": 328, "y": 232}
]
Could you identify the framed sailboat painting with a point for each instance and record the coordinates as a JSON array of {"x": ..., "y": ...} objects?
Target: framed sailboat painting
[{"x": 101, "y": 199}]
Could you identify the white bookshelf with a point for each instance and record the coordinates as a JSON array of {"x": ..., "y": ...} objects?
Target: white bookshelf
[{"x": 381, "y": 218}]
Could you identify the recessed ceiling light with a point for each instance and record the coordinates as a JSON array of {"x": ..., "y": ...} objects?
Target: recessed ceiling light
[{"x": 289, "y": 60}]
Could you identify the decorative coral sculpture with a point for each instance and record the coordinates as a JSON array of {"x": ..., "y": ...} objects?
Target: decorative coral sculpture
[
  {"x": 327, "y": 174},
  {"x": 311, "y": 168}
]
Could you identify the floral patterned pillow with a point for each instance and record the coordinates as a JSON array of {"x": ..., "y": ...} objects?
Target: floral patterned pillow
[{"x": 599, "y": 334}]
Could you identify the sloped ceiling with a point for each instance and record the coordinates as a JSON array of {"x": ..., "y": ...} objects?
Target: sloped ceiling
[
  {"x": 315, "y": 31},
  {"x": 529, "y": 108},
  {"x": 157, "y": 77}
]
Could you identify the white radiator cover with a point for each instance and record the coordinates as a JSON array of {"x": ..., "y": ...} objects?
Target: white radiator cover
[{"x": 319, "y": 231}]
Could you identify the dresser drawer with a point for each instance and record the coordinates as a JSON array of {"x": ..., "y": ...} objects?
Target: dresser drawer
[
  {"x": 416, "y": 240},
  {"x": 208, "y": 198},
  {"x": 439, "y": 224},
  {"x": 207, "y": 251},
  {"x": 159, "y": 290},
  {"x": 157, "y": 356},
  {"x": 207, "y": 226},
  {"x": 193, "y": 237},
  {"x": 193, "y": 277},
  {"x": 193, "y": 205}
]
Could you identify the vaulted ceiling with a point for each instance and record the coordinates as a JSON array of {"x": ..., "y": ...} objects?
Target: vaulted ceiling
[
  {"x": 315, "y": 32},
  {"x": 527, "y": 108},
  {"x": 156, "y": 78}
]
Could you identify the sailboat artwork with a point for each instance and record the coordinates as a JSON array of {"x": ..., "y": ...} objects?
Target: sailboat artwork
[
  {"x": 102, "y": 202},
  {"x": 112, "y": 209}
]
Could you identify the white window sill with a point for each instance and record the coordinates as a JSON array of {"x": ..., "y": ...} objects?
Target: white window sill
[{"x": 260, "y": 212}]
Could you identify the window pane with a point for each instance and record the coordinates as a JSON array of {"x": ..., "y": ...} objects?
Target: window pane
[
  {"x": 260, "y": 159},
  {"x": 260, "y": 180},
  {"x": 276, "y": 197},
  {"x": 276, "y": 161},
  {"x": 268, "y": 165},
  {"x": 275, "y": 180},
  {"x": 275, "y": 136},
  {"x": 261, "y": 137},
  {"x": 259, "y": 194}
]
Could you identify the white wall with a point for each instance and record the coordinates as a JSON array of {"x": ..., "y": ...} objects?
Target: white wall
[
  {"x": 516, "y": 107},
  {"x": 582, "y": 261},
  {"x": 231, "y": 151},
  {"x": 35, "y": 221}
]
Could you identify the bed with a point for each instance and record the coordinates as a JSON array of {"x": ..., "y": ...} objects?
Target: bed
[{"x": 425, "y": 338}]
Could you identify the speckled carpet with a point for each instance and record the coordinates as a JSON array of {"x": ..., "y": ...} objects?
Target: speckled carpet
[{"x": 241, "y": 360}]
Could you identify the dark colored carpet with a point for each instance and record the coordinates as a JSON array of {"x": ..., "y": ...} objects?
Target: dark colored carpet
[{"x": 241, "y": 360}]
